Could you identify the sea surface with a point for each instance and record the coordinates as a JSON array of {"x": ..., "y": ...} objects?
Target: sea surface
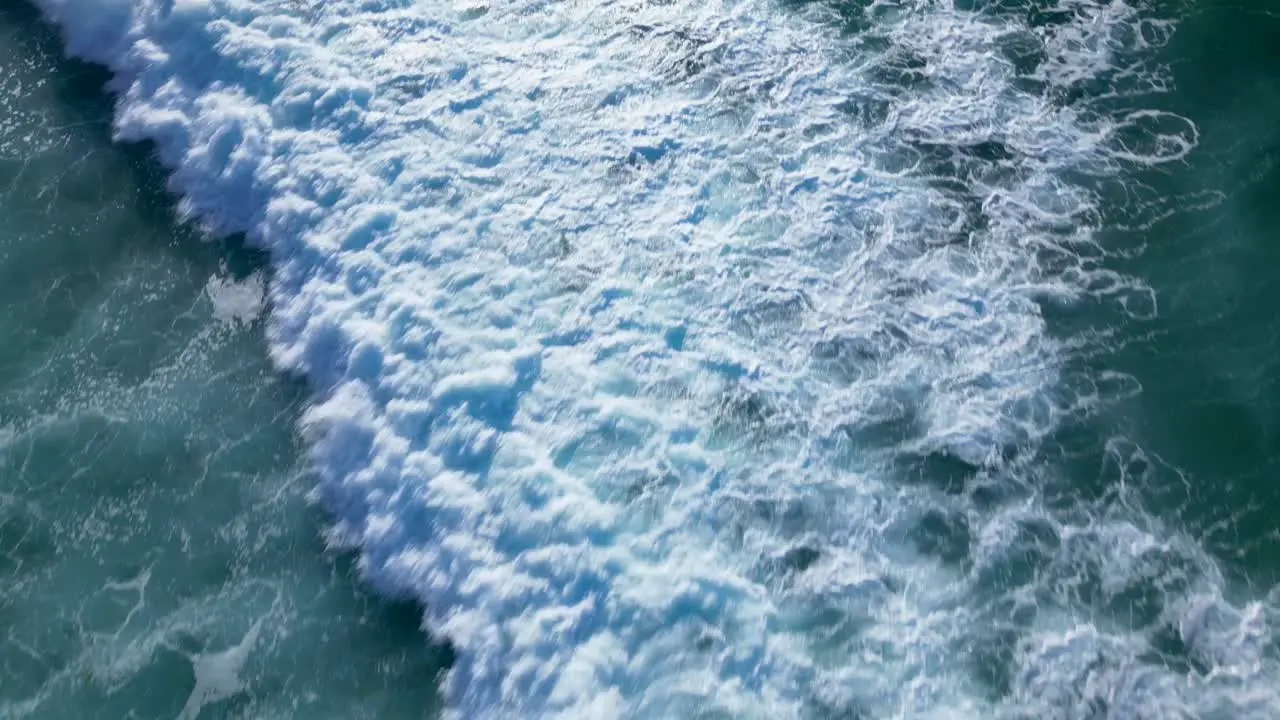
[
  {"x": 158, "y": 557},
  {"x": 630, "y": 359}
]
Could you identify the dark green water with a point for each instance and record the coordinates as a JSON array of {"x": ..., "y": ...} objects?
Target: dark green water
[
  {"x": 158, "y": 558},
  {"x": 1209, "y": 234},
  {"x": 1185, "y": 439}
]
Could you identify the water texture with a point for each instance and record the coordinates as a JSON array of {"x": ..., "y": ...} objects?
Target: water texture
[
  {"x": 158, "y": 558},
  {"x": 754, "y": 359}
]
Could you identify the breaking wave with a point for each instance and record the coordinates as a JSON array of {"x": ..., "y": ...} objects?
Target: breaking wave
[{"x": 691, "y": 361}]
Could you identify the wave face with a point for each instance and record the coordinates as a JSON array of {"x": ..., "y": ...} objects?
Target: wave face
[{"x": 691, "y": 361}]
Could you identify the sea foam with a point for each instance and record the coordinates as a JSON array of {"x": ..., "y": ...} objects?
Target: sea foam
[{"x": 650, "y": 343}]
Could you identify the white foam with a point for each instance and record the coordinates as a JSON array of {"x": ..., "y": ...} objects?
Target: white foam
[
  {"x": 236, "y": 301},
  {"x": 218, "y": 674},
  {"x": 619, "y": 316}
]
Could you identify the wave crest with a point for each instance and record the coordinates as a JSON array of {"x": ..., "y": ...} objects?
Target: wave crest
[{"x": 683, "y": 362}]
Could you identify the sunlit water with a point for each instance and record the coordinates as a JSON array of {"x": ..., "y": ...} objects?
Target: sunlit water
[{"x": 753, "y": 359}]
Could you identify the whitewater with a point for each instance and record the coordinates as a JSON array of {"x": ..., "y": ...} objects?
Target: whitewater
[{"x": 691, "y": 362}]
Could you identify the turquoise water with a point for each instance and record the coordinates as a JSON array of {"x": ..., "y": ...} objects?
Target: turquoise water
[
  {"x": 1110, "y": 549},
  {"x": 158, "y": 557}
]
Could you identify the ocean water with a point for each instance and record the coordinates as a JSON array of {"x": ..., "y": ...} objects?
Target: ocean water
[
  {"x": 158, "y": 558},
  {"x": 759, "y": 359}
]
